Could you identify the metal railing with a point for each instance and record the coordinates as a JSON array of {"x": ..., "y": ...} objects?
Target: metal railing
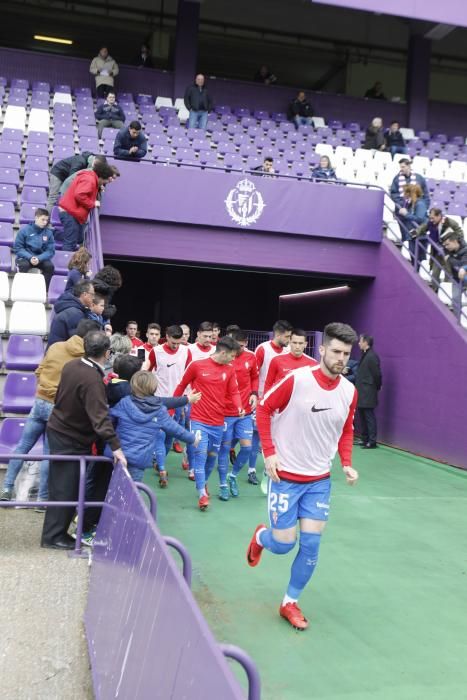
[{"x": 81, "y": 503}]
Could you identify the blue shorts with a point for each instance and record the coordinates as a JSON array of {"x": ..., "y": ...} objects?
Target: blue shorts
[
  {"x": 237, "y": 428},
  {"x": 288, "y": 501}
]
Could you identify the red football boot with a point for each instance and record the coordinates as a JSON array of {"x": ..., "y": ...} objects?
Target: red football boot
[
  {"x": 177, "y": 448},
  {"x": 292, "y": 613},
  {"x": 255, "y": 550},
  {"x": 203, "y": 502}
]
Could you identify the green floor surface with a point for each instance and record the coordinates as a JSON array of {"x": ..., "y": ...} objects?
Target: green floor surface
[{"x": 387, "y": 603}]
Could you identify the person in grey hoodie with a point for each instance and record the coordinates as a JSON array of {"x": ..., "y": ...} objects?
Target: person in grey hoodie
[{"x": 104, "y": 68}]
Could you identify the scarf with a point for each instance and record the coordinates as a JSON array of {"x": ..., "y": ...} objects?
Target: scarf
[{"x": 403, "y": 182}]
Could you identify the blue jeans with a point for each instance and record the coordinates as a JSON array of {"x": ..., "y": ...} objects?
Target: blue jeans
[
  {"x": 397, "y": 149},
  {"x": 299, "y": 121},
  {"x": 73, "y": 231},
  {"x": 197, "y": 119},
  {"x": 34, "y": 427},
  {"x": 206, "y": 453}
]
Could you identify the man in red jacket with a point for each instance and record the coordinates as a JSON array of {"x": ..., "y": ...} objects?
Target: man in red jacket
[{"x": 78, "y": 201}]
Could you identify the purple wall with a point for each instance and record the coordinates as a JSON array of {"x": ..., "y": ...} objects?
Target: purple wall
[
  {"x": 213, "y": 198},
  {"x": 452, "y": 12},
  {"x": 173, "y": 242},
  {"x": 423, "y": 355}
]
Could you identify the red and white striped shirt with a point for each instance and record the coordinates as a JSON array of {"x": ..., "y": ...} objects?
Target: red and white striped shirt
[
  {"x": 304, "y": 420},
  {"x": 264, "y": 354},
  {"x": 283, "y": 364}
]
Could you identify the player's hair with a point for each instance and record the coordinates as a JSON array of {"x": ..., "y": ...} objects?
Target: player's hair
[
  {"x": 131, "y": 323},
  {"x": 41, "y": 212},
  {"x": 216, "y": 325},
  {"x": 300, "y": 332},
  {"x": 126, "y": 366},
  {"x": 143, "y": 384},
  {"x": 174, "y": 331},
  {"x": 239, "y": 335},
  {"x": 227, "y": 343},
  {"x": 205, "y": 326},
  {"x": 367, "y": 338},
  {"x": 339, "y": 331},
  {"x": 230, "y": 329},
  {"x": 153, "y": 326},
  {"x": 282, "y": 327}
]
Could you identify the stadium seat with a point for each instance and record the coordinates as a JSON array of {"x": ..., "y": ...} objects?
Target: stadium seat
[
  {"x": 7, "y": 212},
  {"x": 24, "y": 352},
  {"x": 318, "y": 121},
  {"x": 36, "y": 178},
  {"x": 393, "y": 231},
  {"x": 10, "y": 434},
  {"x": 8, "y": 193},
  {"x": 9, "y": 176},
  {"x": 19, "y": 392},
  {"x": 10, "y": 160},
  {"x": 28, "y": 287},
  {"x": 38, "y": 137},
  {"x": 26, "y": 213},
  {"x": 56, "y": 288},
  {"x": 163, "y": 102},
  {"x": 61, "y": 260},
  {"x": 12, "y": 134},
  {"x": 34, "y": 195},
  {"x": 15, "y": 117},
  {"x": 4, "y": 287},
  {"x": 36, "y": 163},
  {"x": 39, "y": 120},
  {"x": 14, "y": 147},
  {"x": 445, "y": 293},
  {"x": 61, "y": 98},
  {"x": 28, "y": 317},
  {"x": 424, "y": 271},
  {"x": 6, "y": 233}
]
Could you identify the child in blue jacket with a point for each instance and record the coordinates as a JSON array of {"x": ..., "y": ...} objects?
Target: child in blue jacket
[{"x": 139, "y": 419}]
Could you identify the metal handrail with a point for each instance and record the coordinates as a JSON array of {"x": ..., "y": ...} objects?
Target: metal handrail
[
  {"x": 184, "y": 554},
  {"x": 239, "y": 655}
]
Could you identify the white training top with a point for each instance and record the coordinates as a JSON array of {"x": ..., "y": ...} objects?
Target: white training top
[
  {"x": 169, "y": 369},
  {"x": 269, "y": 354}
]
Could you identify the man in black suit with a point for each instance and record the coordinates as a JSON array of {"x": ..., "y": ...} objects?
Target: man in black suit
[{"x": 368, "y": 382}]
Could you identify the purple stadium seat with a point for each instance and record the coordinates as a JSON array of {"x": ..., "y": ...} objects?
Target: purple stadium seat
[
  {"x": 26, "y": 213},
  {"x": 290, "y": 156},
  {"x": 223, "y": 109},
  {"x": 144, "y": 99},
  {"x": 182, "y": 142},
  {"x": 195, "y": 134},
  {"x": 441, "y": 138},
  {"x": 19, "y": 392},
  {"x": 209, "y": 157},
  {"x": 62, "y": 88},
  {"x": 167, "y": 111},
  {"x": 37, "y": 149},
  {"x": 40, "y": 86},
  {"x": 56, "y": 288},
  {"x": 34, "y": 195},
  {"x": 7, "y": 212},
  {"x": 176, "y": 131},
  {"x": 109, "y": 134},
  {"x": 36, "y": 163},
  {"x": 300, "y": 168},
  {"x": 233, "y": 160},
  {"x": 122, "y": 96},
  {"x": 241, "y": 139},
  {"x": 63, "y": 140},
  {"x": 152, "y": 128},
  {"x": 8, "y": 193},
  {"x": 36, "y": 178},
  {"x": 224, "y": 148},
  {"x": 6, "y": 233},
  {"x": 17, "y": 101},
  {"x": 63, "y": 127},
  {"x": 41, "y": 95},
  {"x": 221, "y": 137},
  {"x": 88, "y": 143},
  {"x": 38, "y": 137},
  {"x": 228, "y": 119},
  {"x": 21, "y": 83},
  {"x": 14, "y": 147},
  {"x": 62, "y": 108},
  {"x": 158, "y": 140},
  {"x": 248, "y": 149},
  {"x": 61, "y": 260},
  {"x": 253, "y": 162},
  {"x": 9, "y": 176},
  {"x": 246, "y": 122},
  {"x": 423, "y": 135},
  {"x": 39, "y": 103},
  {"x": 61, "y": 152},
  {"x": 187, "y": 155},
  {"x": 242, "y": 112},
  {"x": 10, "y": 160},
  {"x": 279, "y": 116},
  {"x": 261, "y": 114},
  {"x": 286, "y": 127},
  {"x": 234, "y": 129},
  {"x": 159, "y": 151},
  {"x": 263, "y": 142},
  {"x": 12, "y": 134},
  {"x": 201, "y": 144},
  {"x": 10, "y": 434},
  {"x": 24, "y": 352},
  {"x": 5, "y": 256}
]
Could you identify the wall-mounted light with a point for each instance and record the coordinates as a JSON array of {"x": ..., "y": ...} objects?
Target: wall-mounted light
[
  {"x": 52, "y": 39},
  {"x": 315, "y": 292}
]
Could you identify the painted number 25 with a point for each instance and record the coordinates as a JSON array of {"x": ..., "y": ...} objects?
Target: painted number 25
[{"x": 279, "y": 502}]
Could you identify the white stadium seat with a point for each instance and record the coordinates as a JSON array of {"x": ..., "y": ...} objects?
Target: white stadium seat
[
  {"x": 324, "y": 149},
  {"x": 39, "y": 120},
  {"x": 183, "y": 114},
  {"x": 62, "y": 98},
  {"x": 318, "y": 121},
  {"x": 15, "y": 118},
  {"x": 4, "y": 287},
  {"x": 406, "y": 251},
  {"x": 394, "y": 231},
  {"x": 424, "y": 271},
  {"x": 445, "y": 292},
  {"x": 179, "y": 103},
  {"x": 407, "y": 134},
  {"x": 362, "y": 156},
  {"x": 28, "y": 286},
  {"x": 164, "y": 102},
  {"x": 382, "y": 158},
  {"x": 420, "y": 164},
  {"x": 2, "y": 317},
  {"x": 28, "y": 317},
  {"x": 456, "y": 218},
  {"x": 344, "y": 153}
]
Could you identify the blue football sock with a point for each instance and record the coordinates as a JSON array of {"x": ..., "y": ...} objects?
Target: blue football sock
[
  {"x": 304, "y": 563},
  {"x": 255, "y": 445},
  {"x": 210, "y": 464},
  {"x": 269, "y": 543},
  {"x": 241, "y": 459}
]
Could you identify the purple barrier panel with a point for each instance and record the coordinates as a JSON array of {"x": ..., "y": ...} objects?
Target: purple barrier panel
[
  {"x": 146, "y": 635},
  {"x": 245, "y": 202},
  {"x": 452, "y": 12}
]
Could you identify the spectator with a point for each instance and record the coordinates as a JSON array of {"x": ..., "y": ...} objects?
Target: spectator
[
  {"x": 107, "y": 281},
  {"x": 198, "y": 102},
  {"x": 96, "y": 310},
  {"x": 411, "y": 216},
  {"x": 109, "y": 114},
  {"x": 144, "y": 60},
  {"x": 394, "y": 139},
  {"x": 374, "y": 137},
  {"x": 264, "y": 75},
  {"x": 91, "y": 160},
  {"x": 124, "y": 367},
  {"x": 376, "y": 92},
  {"x": 130, "y": 143},
  {"x": 108, "y": 330},
  {"x": 63, "y": 169},
  {"x": 300, "y": 110},
  {"x": 266, "y": 168},
  {"x": 79, "y": 417},
  {"x": 368, "y": 382},
  {"x": 407, "y": 177},
  {"x": 141, "y": 416},
  {"x": 70, "y": 309},
  {"x": 324, "y": 171},
  {"x": 78, "y": 268},
  {"x": 133, "y": 334},
  {"x": 434, "y": 231},
  {"x": 350, "y": 370},
  {"x": 48, "y": 377},
  {"x": 153, "y": 336},
  {"x": 186, "y": 333},
  {"x": 79, "y": 200},
  {"x": 119, "y": 345},
  {"x": 457, "y": 261},
  {"x": 105, "y": 69},
  {"x": 34, "y": 246}
]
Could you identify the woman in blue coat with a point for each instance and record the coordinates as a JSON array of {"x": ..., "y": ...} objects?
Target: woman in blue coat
[
  {"x": 139, "y": 419},
  {"x": 412, "y": 214},
  {"x": 324, "y": 171}
]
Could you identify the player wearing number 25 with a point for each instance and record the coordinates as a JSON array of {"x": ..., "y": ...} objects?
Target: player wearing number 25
[{"x": 302, "y": 422}]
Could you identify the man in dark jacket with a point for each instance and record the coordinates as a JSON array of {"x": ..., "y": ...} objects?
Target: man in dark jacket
[
  {"x": 198, "y": 102},
  {"x": 457, "y": 264},
  {"x": 300, "y": 110},
  {"x": 368, "y": 382},
  {"x": 69, "y": 309},
  {"x": 34, "y": 246},
  {"x": 434, "y": 231},
  {"x": 407, "y": 177},
  {"x": 394, "y": 139},
  {"x": 130, "y": 143},
  {"x": 109, "y": 114},
  {"x": 63, "y": 169},
  {"x": 80, "y": 416}
]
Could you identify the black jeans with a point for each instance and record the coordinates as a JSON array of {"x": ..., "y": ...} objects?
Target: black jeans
[
  {"x": 368, "y": 424},
  {"x": 63, "y": 486},
  {"x": 103, "y": 90},
  {"x": 46, "y": 267}
]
